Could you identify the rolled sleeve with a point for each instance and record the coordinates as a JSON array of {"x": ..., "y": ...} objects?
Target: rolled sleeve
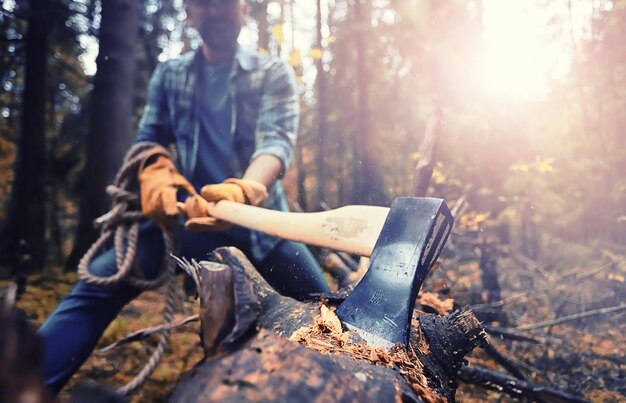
[
  {"x": 155, "y": 123},
  {"x": 279, "y": 115}
]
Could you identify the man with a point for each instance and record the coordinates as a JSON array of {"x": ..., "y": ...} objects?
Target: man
[{"x": 232, "y": 118}]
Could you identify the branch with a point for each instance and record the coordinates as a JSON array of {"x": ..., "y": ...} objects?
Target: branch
[
  {"x": 461, "y": 203},
  {"x": 558, "y": 283},
  {"x": 513, "y": 386},
  {"x": 510, "y": 335},
  {"x": 505, "y": 362},
  {"x": 12, "y": 40},
  {"x": 13, "y": 14},
  {"x": 71, "y": 69},
  {"x": 601, "y": 311},
  {"x": 149, "y": 331}
]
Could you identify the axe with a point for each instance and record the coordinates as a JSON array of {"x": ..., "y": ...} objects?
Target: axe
[{"x": 402, "y": 241}]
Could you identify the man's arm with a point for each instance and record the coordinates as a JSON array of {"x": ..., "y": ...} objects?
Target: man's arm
[
  {"x": 265, "y": 169},
  {"x": 277, "y": 126},
  {"x": 155, "y": 122}
]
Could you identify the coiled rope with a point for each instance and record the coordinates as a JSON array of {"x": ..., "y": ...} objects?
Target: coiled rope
[{"x": 121, "y": 224}]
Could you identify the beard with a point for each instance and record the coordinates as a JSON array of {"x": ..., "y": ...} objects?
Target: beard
[{"x": 220, "y": 35}]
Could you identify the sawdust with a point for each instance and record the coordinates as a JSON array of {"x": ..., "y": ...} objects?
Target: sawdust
[
  {"x": 327, "y": 336},
  {"x": 431, "y": 300}
]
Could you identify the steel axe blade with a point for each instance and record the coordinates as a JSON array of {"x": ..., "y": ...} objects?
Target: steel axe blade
[{"x": 381, "y": 306}]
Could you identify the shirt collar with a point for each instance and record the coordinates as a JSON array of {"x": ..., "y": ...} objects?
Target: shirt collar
[{"x": 245, "y": 59}]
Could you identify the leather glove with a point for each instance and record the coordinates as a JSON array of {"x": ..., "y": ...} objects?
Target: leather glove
[
  {"x": 159, "y": 183},
  {"x": 232, "y": 189},
  {"x": 196, "y": 210},
  {"x": 237, "y": 190}
]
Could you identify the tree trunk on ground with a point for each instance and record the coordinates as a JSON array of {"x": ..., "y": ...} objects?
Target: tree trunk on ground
[
  {"x": 327, "y": 363},
  {"x": 23, "y": 242},
  {"x": 111, "y": 116}
]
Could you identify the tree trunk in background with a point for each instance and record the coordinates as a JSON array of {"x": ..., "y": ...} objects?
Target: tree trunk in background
[
  {"x": 362, "y": 125},
  {"x": 111, "y": 120},
  {"x": 320, "y": 83},
  {"x": 368, "y": 181},
  {"x": 428, "y": 153},
  {"x": 281, "y": 22},
  {"x": 260, "y": 15},
  {"x": 23, "y": 242},
  {"x": 301, "y": 174}
]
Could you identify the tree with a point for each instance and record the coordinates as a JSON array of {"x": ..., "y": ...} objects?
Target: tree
[
  {"x": 320, "y": 83},
  {"x": 258, "y": 12},
  {"x": 111, "y": 115},
  {"x": 23, "y": 234}
]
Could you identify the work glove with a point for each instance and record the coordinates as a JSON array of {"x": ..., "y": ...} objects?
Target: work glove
[
  {"x": 236, "y": 190},
  {"x": 159, "y": 183}
]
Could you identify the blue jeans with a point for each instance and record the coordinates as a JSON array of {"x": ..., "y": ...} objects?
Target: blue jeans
[{"x": 72, "y": 331}]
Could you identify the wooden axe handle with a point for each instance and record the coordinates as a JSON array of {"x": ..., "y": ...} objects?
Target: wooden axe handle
[{"x": 352, "y": 229}]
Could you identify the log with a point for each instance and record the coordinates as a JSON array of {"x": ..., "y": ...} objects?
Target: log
[
  {"x": 274, "y": 348},
  {"x": 272, "y": 368}
]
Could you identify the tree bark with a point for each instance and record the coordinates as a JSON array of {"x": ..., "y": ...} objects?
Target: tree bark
[{"x": 111, "y": 115}]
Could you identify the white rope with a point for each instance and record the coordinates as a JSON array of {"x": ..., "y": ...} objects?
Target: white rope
[{"x": 121, "y": 224}]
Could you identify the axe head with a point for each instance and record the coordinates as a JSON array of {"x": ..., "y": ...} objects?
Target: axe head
[{"x": 381, "y": 306}]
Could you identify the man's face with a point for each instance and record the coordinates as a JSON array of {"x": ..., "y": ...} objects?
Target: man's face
[{"x": 218, "y": 21}]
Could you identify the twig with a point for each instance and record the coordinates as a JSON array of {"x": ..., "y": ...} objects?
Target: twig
[
  {"x": 510, "y": 335},
  {"x": 461, "y": 203},
  {"x": 559, "y": 283},
  {"x": 515, "y": 387},
  {"x": 601, "y": 311},
  {"x": 505, "y": 362},
  {"x": 147, "y": 332},
  {"x": 531, "y": 263}
]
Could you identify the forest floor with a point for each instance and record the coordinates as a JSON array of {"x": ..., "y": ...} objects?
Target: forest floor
[{"x": 584, "y": 356}]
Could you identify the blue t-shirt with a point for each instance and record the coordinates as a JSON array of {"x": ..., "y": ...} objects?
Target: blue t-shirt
[{"x": 216, "y": 154}]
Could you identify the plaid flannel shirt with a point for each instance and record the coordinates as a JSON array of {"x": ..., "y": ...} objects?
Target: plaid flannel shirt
[{"x": 264, "y": 118}]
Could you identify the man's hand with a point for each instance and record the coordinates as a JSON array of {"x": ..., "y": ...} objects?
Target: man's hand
[
  {"x": 159, "y": 183},
  {"x": 236, "y": 190},
  {"x": 196, "y": 210}
]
